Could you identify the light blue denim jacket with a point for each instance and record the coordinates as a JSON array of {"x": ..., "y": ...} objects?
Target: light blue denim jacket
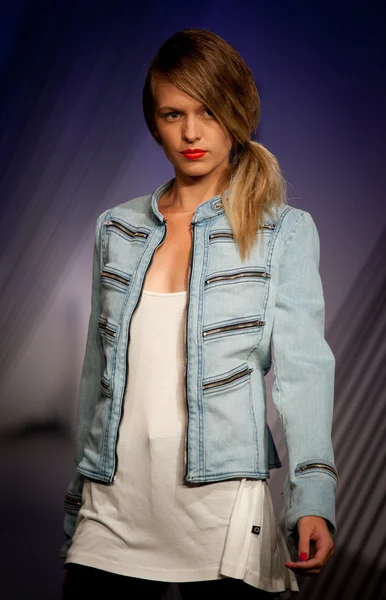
[{"x": 238, "y": 315}]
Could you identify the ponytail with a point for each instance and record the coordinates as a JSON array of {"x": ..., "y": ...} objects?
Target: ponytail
[{"x": 257, "y": 188}]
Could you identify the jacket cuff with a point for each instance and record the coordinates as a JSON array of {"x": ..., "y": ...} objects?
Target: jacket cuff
[{"x": 310, "y": 494}]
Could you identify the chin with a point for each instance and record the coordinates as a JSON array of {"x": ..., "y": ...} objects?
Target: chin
[{"x": 192, "y": 168}]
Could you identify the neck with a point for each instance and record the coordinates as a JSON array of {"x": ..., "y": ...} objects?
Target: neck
[{"x": 184, "y": 196}]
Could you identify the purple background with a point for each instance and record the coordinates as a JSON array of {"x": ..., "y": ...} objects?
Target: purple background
[{"x": 73, "y": 142}]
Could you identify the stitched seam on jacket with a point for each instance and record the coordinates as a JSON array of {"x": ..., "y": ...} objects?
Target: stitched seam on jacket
[{"x": 279, "y": 396}]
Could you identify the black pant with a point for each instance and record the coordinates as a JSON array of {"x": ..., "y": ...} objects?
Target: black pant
[{"x": 83, "y": 582}]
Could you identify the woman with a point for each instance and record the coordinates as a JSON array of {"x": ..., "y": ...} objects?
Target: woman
[{"x": 204, "y": 277}]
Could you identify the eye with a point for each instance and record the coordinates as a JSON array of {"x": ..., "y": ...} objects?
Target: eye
[
  {"x": 170, "y": 114},
  {"x": 174, "y": 112}
]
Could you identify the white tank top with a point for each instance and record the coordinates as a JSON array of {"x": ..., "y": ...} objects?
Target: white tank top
[{"x": 149, "y": 524}]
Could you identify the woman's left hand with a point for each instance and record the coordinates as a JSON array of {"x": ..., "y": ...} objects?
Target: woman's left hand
[{"x": 315, "y": 546}]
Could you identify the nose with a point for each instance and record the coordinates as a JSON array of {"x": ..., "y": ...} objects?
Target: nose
[{"x": 191, "y": 130}]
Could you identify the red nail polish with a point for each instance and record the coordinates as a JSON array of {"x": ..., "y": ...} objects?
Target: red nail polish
[{"x": 303, "y": 556}]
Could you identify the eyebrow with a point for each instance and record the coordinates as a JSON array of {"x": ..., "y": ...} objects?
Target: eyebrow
[{"x": 174, "y": 108}]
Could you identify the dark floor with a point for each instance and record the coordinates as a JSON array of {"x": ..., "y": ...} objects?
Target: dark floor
[{"x": 34, "y": 469}]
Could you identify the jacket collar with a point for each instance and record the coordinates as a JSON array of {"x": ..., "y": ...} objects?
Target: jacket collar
[{"x": 210, "y": 208}]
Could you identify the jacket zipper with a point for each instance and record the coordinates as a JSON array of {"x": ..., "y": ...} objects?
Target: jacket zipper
[
  {"x": 110, "y": 332},
  {"x": 127, "y": 346},
  {"x": 126, "y": 230},
  {"x": 238, "y": 275},
  {"x": 269, "y": 225},
  {"x": 303, "y": 468},
  {"x": 186, "y": 348},
  {"x": 119, "y": 278},
  {"x": 229, "y": 379},
  {"x": 232, "y": 326},
  {"x": 230, "y": 235},
  {"x": 104, "y": 328},
  {"x": 69, "y": 500},
  {"x": 221, "y": 234}
]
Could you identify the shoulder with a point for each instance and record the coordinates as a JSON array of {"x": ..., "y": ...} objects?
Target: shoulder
[
  {"x": 290, "y": 221},
  {"x": 296, "y": 236},
  {"x": 137, "y": 206},
  {"x": 286, "y": 215},
  {"x": 136, "y": 210}
]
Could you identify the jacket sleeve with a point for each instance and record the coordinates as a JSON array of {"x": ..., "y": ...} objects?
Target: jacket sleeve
[
  {"x": 88, "y": 394},
  {"x": 303, "y": 380}
]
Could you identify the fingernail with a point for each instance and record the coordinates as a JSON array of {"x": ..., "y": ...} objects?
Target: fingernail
[{"x": 303, "y": 556}]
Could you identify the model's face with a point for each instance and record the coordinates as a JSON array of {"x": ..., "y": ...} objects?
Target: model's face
[{"x": 184, "y": 123}]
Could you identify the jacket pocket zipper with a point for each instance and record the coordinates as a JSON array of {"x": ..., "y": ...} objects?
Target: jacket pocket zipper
[
  {"x": 255, "y": 323},
  {"x": 130, "y": 232},
  {"x": 268, "y": 226},
  {"x": 239, "y": 275},
  {"x": 104, "y": 328},
  {"x": 316, "y": 465},
  {"x": 228, "y": 379},
  {"x": 110, "y": 332},
  {"x": 115, "y": 277},
  {"x": 228, "y": 234}
]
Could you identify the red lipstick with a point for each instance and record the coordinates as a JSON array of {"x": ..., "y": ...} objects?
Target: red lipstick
[{"x": 194, "y": 153}]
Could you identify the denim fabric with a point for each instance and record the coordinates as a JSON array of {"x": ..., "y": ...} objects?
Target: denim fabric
[{"x": 242, "y": 318}]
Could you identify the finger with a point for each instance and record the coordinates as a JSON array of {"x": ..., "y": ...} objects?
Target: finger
[
  {"x": 311, "y": 571},
  {"x": 304, "y": 544},
  {"x": 317, "y": 562},
  {"x": 305, "y": 565}
]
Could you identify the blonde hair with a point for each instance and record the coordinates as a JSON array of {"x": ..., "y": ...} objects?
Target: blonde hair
[{"x": 205, "y": 66}]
